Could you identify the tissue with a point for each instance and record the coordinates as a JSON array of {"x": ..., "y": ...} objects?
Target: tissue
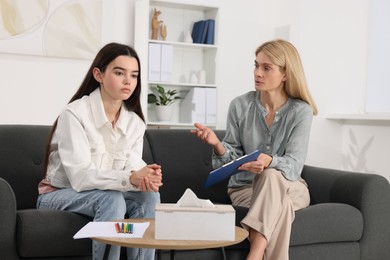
[
  {"x": 189, "y": 199},
  {"x": 181, "y": 220}
]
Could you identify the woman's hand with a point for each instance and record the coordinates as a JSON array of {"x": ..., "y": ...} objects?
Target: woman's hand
[
  {"x": 208, "y": 136},
  {"x": 258, "y": 166},
  {"x": 149, "y": 178}
]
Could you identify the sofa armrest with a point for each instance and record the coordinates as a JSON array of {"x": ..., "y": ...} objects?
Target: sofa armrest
[
  {"x": 7, "y": 221},
  {"x": 370, "y": 193},
  {"x": 48, "y": 233}
]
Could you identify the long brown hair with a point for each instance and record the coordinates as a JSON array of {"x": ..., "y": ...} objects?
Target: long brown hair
[
  {"x": 285, "y": 55},
  {"x": 106, "y": 55}
]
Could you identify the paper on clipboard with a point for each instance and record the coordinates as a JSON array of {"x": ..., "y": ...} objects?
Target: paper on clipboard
[{"x": 230, "y": 168}]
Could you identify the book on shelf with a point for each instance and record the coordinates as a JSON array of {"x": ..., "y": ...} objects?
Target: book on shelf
[
  {"x": 166, "y": 63},
  {"x": 199, "y": 106},
  {"x": 197, "y": 31},
  {"x": 193, "y": 107},
  {"x": 160, "y": 62},
  {"x": 203, "y": 31},
  {"x": 154, "y": 62},
  {"x": 211, "y": 106},
  {"x": 209, "y": 39}
]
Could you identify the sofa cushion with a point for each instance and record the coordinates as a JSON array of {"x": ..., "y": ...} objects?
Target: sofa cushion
[
  {"x": 320, "y": 223},
  {"x": 49, "y": 233},
  {"x": 327, "y": 223},
  {"x": 328, "y": 251}
]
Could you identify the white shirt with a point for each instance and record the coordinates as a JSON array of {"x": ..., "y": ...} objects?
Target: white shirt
[{"x": 88, "y": 153}]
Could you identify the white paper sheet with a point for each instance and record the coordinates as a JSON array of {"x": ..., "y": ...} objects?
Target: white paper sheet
[{"x": 107, "y": 229}]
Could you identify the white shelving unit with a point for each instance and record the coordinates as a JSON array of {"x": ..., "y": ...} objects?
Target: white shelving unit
[
  {"x": 359, "y": 117},
  {"x": 187, "y": 58}
]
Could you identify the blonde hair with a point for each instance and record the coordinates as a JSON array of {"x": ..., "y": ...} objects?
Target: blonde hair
[{"x": 285, "y": 55}]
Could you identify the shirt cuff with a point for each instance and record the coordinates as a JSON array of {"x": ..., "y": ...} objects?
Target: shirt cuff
[
  {"x": 274, "y": 162},
  {"x": 125, "y": 182}
]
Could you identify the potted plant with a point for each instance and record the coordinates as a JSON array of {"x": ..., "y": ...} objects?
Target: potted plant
[{"x": 163, "y": 101}]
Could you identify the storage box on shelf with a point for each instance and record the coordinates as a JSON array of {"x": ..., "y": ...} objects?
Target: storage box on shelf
[{"x": 176, "y": 62}]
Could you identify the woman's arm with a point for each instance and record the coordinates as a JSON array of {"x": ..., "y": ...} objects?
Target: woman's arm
[{"x": 208, "y": 136}]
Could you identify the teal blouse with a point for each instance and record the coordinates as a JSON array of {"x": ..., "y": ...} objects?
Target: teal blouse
[{"x": 286, "y": 141}]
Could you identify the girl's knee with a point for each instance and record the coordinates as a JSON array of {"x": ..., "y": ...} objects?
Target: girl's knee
[
  {"x": 152, "y": 198},
  {"x": 116, "y": 199},
  {"x": 150, "y": 203},
  {"x": 113, "y": 203}
]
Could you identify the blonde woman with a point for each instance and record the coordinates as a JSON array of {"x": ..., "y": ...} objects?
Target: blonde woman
[{"x": 275, "y": 118}]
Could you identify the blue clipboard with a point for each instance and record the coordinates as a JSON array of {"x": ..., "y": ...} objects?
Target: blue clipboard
[{"x": 230, "y": 168}]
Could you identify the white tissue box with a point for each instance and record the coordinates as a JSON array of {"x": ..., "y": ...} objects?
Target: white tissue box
[{"x": 194, "y": 223}]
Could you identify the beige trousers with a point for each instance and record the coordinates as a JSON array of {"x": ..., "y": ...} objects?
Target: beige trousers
[{"x": 272, "y": 201}]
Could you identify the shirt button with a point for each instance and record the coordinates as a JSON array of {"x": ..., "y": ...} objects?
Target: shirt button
[
  {"x": 268, "y": 147},
  {"x": 123, "y": 183}
]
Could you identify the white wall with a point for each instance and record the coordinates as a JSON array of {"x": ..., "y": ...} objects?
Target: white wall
[
  {"x": 331, "y": 36},
  {"x": 240, "y": 32},
  {"x": 34, "y": 89},
  {"x": 378, "y": 91}
]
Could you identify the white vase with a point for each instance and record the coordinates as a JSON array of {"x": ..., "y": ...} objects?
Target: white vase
[
  {"x": 188, "y": 37},
  {"x": 202, "y": 77},
  {"x": 164, "y": 113},
  {"x": 193, "y": 78}
]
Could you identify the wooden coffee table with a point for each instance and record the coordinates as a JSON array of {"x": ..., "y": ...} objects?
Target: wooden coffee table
[{"x": 148, "y": 240}]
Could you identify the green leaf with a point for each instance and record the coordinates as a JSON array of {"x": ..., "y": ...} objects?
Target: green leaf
[
  {"x": 164, "y": 97},
  {"x": 152, "y": 99}
]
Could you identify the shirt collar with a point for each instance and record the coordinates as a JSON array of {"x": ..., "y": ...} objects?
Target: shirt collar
[
  {"x": 97, "y": 108},
  {"x": 99, "y": 114},
  {"x": 123, "y": 119},
  {"x": 279, "y": 112}
]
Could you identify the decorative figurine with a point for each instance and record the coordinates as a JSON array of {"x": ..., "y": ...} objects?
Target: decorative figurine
[
  {"x": 155, "y": 24},
  {"x": 163, "y": 31}
]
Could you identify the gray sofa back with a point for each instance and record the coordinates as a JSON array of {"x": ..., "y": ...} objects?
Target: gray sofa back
[
  {"x": 337, "y": 197},
  {"x": 22, "y": 160},
  {"x": 179, "y": 153}
]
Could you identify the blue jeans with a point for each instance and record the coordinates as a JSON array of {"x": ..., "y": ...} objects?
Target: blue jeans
[{"x": 105, "y": 205}]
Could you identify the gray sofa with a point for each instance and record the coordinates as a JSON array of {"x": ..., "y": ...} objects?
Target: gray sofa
[{"x": 349, "y": 215}]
